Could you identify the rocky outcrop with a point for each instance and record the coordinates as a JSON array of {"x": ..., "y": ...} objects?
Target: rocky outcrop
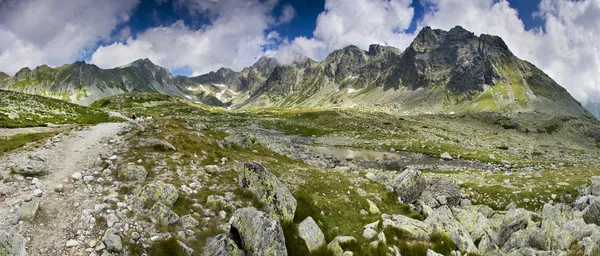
[
  {"x": 441, "y": 220},
  {"x": 256, "y": 233},
  {"x": 268, "y": 189}
]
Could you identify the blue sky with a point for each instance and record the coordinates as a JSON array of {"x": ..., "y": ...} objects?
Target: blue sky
[{"x": 192, "y": 37}]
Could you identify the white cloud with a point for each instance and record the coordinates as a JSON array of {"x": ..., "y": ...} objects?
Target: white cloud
[
  {"x": 356, "y": 22},
  {"x": 568, "y": 49},
  {"x": 236, "y": 37},
  {"x": 287, "y": 14},
  {"x": 55, "y": 32}
]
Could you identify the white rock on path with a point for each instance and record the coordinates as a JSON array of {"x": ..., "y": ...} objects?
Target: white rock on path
[
  {"x": 77, "y": 176},
  {"x": 38, "y": 192},
  {"x": 72, "y": 243}
]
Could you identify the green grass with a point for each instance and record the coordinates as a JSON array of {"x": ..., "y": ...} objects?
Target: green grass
[{"x": 17, "y": 141}]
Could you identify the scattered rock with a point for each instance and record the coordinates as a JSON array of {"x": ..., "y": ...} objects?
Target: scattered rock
[
  {"x": 160, "y": 213},
  {"x": 269, "y": 190},
  {"x": 30, "y": 167},
  {"x": 112, "y": 241},
  {"x": 413, "y": 229},
  {"x": 312, "y": 235},
  {"x": 72, "y": 243},
  {"x": 132, "y": 171},
  {"x": 77, "y": 176},
  {"x": 335, "y": 246},
  {"x": 157, "y": 144},
  {"x": 595, "y": 189},
  {"x": 221, "y": 245},
  {"x": 212, "y": 169},
  {"x": 157, "y": 192},
  {"x": 441, "y": 220},
  {"x": 27, "y": 211},
  {"x": 188, "y": 221},
  {"x": 446, "y": 156},
  {"x": 257, "y": 233},
  {"x": 373, "y": 209},
  {"x": 38, "y": 193}
]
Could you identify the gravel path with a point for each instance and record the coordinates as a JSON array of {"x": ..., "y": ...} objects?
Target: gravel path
[{"x": 56, "y": 220}]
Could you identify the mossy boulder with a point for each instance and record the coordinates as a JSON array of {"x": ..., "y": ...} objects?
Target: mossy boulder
[
  {"x": 222, "y": 245},
  {"x": 257, "y": 233},
  {"x": 160, "y": 213},
  {"x": 149, "y": 194},
  {"x": 27, "y": 211},
  {"x": 112, "y": 241},
  {"x": 132, "y": 171},
  {"x": 441, "y": 220},
  {"x": 12, "y": 244},
  {"x": 413, "y": 229},
  {"x": 312, "y": 235},
  {"x": 278, "y": 200},
  {"x": 335, "y": 246}
]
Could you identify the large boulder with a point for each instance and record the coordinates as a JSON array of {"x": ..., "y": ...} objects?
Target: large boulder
[
  {"x": 30, "y": 167},
  {"x": 335, "y": 247},
  {"x": 440, "y": 191},
  {"x": 268, "y": 189},
  {"x": 513, "y": 221},
  {"x": 474, "y": 220},
  {"x": 160, "y": 213},
  {"x": 27, "y": 211},
  {"x": 257, "y": 233},
  {"x": 132, "y": 171},
  {"x": 12, "y": 244},
  {"x": 409, "y": 185},
  {"x": 112, "y": 241},
  {"x": 149, "y": 194},
  {"x": 414, "y": 229},
  {"x": 222, "y": 245},
  {"x": 441, "y": 220},
  {"x": 595, "y": 189},
  {"x": 312, "y": 235},
  {"x": 591, "y": 214}
]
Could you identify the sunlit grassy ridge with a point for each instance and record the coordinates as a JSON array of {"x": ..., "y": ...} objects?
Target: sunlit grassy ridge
[{"x": 25, "y": 110}]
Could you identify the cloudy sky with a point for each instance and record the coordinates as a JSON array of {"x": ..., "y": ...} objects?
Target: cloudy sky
[{"x": 192, "y": 37}]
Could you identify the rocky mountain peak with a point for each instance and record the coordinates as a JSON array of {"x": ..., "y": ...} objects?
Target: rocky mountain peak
[{"x": 3, "y": 75}]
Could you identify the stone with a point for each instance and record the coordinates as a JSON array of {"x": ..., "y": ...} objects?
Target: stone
[
  {"x": 112, "y": 241},
  {"x": 222, "y": 245},
  {"x": 414, "y": 229},
  {"x": 369, "y": 233},
  {"x": 212, "y": 169},
  {"x": 312, "y": 235},
  {"x": 30, "y": 167},
  {"x": 409, "y": 185},
  {"x": 27, "y": 211},
  {"x": 373, "y": 209},
  {"x": 591, "y": 214},
  {"x": 59, "y": 188},
  {"x": 432, "y": 253},
  {"x": 72, "y": 243},
  {"x": 513, "y": 221},
  {"x": 335, "y": 246},
  {"x": 441, "y": 191},
  {"x": 12, "y": 244},
  {"x": 238, "y": 139},
  {"x": 156, "y": 192},
  {"x": 38, "y": 193},
  {"x": 218, "y": 202},
  {"x": 111, "y": 219},
  {"x": 160, "y": 213},
  {"x": 88, "y": 179},
  {"x": 441, "y": 220},
  {"x": 446, "y": 156},
  {"x": 257, "y": 232},
  {"x": 133, "y": 172},
  {"x": 474, "y": 221},
  {"x": 157, "y": 144},
  {"x": 280, "y": 203},
  {"x": 77, "y": 176},
  {"x": 188, "y": 222},
  {"x": 595, "y": 188},
  {"x": 589, "y": 247}
]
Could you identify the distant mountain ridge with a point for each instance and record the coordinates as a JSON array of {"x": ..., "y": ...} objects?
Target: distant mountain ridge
[{"x": 441, "y": 71}]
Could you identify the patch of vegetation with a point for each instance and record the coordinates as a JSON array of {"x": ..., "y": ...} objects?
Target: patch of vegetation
[{"x": 20, "y": 140}]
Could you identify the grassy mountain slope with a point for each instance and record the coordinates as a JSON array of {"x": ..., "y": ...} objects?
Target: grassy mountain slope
[{"x": 25, "y": 110}]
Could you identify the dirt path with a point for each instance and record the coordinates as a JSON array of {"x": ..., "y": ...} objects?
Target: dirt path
[
  {"x": 56, "y": 220},
  {"x": 6, "y": 132}
]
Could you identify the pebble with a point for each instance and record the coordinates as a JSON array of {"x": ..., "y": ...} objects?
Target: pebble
[
  {"x": 77, "y": 176},
  {"x": 88, "y": 179},
  {"x": 113, "y": 157},
  {"x": 59, "y": 188},
  {"x": 72, "y": 243}
]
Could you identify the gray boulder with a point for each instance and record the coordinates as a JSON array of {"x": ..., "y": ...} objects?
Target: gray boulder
[
  {"x": 157, "y": 144},
  {"x": 219, "y": 202},
  {"x": 27, "y": 211},
  {"x": 30, "y": 167},
  {"x": 157, "y": 192},
  {"x": 409, "y": 185},
  {"x": 268, "y": 189},
  {"x": 132, "y": 171},
  {"x": 222, "y": 245},
  {"x": 12, "y": 244},
  {"x": 238, "y": 139},
  {"x": 591, "y": 214},
  {"x": 160, "y": 213},
  {"x": 440, "y": 191},
  {"x": 112, "y": 241},
  {"x": 312, "y": 235},
  {"x": 474, "y": 221},
  {"x": 414, "y": 229},
  {"x": 441, "y": 220},
  {"x": 513, "y": 221},
  {"x": 257, "y": 233},
  {"x": 188, "y": 221}
]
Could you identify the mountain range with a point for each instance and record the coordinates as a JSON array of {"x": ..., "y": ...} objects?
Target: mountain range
[{"x": 440, "y": 72}]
